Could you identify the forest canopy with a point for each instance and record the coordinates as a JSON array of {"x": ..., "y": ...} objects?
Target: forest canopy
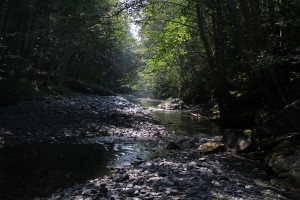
[
  {"x": 235, "y": 54},
  {"x": 46, "y": 41}
]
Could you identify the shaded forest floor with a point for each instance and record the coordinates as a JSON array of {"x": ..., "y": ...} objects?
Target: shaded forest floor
[{"x": 174, "y": 174}]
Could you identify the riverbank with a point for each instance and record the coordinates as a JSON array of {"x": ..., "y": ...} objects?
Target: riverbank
[
  {"x": 183, "y": 174},
  {"x": 68, "y": 119},
  {"x": 171, "y": 173}
]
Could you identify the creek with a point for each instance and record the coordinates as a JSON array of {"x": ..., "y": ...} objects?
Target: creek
[
  {"x": 36, "y": 170},
  {"x": 179, "y": 122}
]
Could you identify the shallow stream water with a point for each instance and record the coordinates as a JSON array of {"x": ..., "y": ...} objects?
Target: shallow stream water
[
  {"x": 28, "y": 171},
  {"x": 179, "y": 122}
]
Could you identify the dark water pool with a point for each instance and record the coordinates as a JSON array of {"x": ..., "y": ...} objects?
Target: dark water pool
[{"x": 28, "y": 171}]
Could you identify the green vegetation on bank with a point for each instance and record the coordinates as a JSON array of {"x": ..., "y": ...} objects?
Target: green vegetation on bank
[
  {"x": 240, "y": 55},
  {"x": 237, "y": 56}
]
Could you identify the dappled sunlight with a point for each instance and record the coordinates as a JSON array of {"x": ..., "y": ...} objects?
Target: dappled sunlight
[
  {"x": 222, "y": 121},
  {"x": 144, "y": 166},
  {"x": 87, "y": 116},
  {"x": 194, "y": 176}
]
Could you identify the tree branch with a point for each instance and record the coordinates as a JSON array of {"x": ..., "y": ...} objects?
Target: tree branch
[{"x": 166, "y": 20}]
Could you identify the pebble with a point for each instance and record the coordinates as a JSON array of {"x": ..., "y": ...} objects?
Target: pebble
[
  {"x": 180, "y": 174},
  {"x": 87, "y": 192}
]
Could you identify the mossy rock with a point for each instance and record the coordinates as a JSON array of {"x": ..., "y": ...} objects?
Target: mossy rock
[{"x": 211, "y": 147}]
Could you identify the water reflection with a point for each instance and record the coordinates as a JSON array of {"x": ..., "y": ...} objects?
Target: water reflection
[
  {"x": 183, "y": 124},
  {"x": 27, "y": 171},
  {"x": 180, "y": 122}
]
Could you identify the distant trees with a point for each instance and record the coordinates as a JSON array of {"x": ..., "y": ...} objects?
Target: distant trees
[
  {"x": 245, "y": 51},
  {"x": 235, "y": 54},
  {"x": 82, "y": 39}
]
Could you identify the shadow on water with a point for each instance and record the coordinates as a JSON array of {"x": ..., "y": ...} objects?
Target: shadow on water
[{"x": 27, "y": 171}]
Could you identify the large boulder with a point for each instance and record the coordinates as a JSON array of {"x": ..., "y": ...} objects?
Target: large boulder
[
  {"x": 280, "y": 137},
  {"x": 172, "y": 104},
  {"x": 285, "y": 121},
  {"x": 237, "y": 140},
  {"x": 284, "y": 162},
  {"x": 282, "y": 157}
]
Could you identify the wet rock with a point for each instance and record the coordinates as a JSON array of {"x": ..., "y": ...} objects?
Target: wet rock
[
  {"x": 183, "y": 174},
  {"x": 237, "y": 140},
  {"x": 211, "y": 147},
  {"x": 172, "y": 104}
]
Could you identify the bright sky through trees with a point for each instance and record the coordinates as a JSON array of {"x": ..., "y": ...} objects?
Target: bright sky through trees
[{"x": 134, "y": 30}]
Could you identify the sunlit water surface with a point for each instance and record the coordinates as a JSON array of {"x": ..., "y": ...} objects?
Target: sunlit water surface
[
  {"x": 28, "y": 171},
  {"x": 180, "y": 122}
]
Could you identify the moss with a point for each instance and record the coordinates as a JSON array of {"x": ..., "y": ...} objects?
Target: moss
[
  {"x": 247, "y": 132},
  {"x": 210, "y": 147}
]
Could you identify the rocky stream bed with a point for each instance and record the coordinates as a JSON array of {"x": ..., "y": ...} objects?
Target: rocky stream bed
[{"x": 169, "y": 172}]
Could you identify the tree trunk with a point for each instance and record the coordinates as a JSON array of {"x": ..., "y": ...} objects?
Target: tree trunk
[
  {"x": 239, "y": 34},
  {"x": 200, "y": 22},
  {"x": 221, "y": 75},
  {"x": 216, "y": 63},
  {"x": 271, "y": 12},
  {"x": 250, "y": 31},
  {"x": 6, "y": 13},
  {"x": 259, "y": 33}
]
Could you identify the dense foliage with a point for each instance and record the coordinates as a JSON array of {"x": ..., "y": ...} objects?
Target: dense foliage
[
  {"x": 236, "y": 54},
  {"x": 243, "y": 52},
  {"x": 45, "y": 41}
]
